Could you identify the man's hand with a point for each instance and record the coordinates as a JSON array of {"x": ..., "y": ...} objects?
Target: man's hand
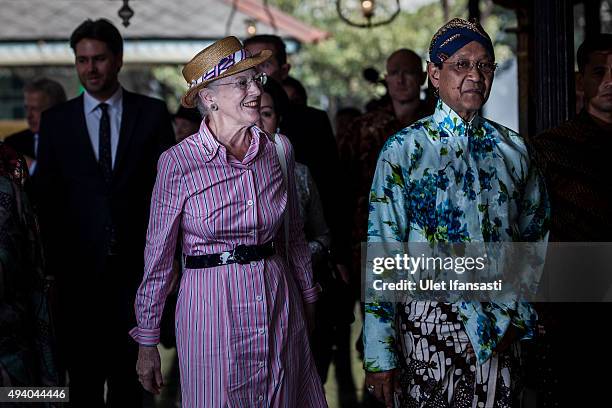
[
  {"x": 383, "y": 385},
  {"x": 148, "y": 368}
]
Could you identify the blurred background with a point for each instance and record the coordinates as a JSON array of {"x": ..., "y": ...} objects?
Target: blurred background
[{"x": 330, "y": 43}]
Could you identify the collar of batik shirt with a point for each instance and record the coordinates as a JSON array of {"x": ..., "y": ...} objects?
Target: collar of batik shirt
[{"x": 451, "y": 124}]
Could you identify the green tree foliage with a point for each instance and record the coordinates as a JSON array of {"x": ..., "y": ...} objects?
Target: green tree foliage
[{"x": 332, "y": 70}]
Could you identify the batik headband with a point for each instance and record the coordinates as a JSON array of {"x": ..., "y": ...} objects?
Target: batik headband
[
  {"x": 223, "y": 65},
  {"x": 454, "y": 35}
]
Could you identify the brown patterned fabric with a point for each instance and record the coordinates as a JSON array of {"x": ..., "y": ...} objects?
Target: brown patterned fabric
[
  {"x": 574, "y": 158},
  {"x": 359, "y": 149},
  {"x": 26, "y": 334}
]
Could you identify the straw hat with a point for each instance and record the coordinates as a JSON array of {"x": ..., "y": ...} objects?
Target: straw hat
[{"x": 223, "y": 58}]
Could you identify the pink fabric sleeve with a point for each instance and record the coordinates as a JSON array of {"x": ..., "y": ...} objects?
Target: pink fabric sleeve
[{"x": 166, "y": 207}]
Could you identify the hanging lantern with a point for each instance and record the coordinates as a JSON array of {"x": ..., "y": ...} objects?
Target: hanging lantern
[
  {"x": 126, "y": 12},
  {"x": 251, "y": 27},
  {"x": 370, "y": 13}
]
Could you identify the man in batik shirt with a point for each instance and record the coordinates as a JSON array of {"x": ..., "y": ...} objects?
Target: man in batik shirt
[{"x": 453, "y": 177}]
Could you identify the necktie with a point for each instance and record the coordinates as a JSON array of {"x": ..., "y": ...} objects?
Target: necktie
[
  {"x": 105, "y": 160},
  {"x": 104, "y": 152}
]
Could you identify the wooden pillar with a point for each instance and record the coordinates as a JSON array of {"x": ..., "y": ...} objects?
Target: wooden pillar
[
  {"x": 553, "y": 74},
  {"x": 524, "y": 48}
]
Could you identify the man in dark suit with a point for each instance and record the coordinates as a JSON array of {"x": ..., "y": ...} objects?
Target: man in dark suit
[
  {"x": 96, "y": 170},
  {"x": 38, "y": 96}
]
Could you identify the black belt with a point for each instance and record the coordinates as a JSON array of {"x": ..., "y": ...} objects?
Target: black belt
[{"x": 242, "y": 254}]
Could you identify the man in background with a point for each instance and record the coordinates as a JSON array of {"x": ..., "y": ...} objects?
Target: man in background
[
  {"x": 38, "y": 96},
  {"x": 96, "y": 170},
  {"x": 311, "y": 134},
  {"x": 363, "y": 140},
  {"x": 575, "y": 163}
]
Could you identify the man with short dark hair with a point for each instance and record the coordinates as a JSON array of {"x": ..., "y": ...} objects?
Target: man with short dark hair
[
  {"x": 96, "y": 170},
  {"x": 311, "y": 134},
  {"x": 574, "y": 155},
  {"x": 574, "y": 159},
  {"x": 38, "y": 95},
  {"x": 277, "y": 66}
]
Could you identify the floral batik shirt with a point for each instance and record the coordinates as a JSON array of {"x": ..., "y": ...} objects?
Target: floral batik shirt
[{"x": 446, "y": 180}]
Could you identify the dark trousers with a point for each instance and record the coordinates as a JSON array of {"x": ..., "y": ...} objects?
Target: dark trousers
[
  {"x": 114, "y": 364},
  {"x": 331, "y": 339},
  {"x": 97, "y": 348}
]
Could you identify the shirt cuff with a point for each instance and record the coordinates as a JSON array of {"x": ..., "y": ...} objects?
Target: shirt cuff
[
  {"x": 311, "y": 295},
  {"x": 145, "y": 337}
]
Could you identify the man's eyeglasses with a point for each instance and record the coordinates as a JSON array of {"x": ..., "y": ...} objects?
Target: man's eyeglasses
[
  {"x": 465, "y": 66},
  {"x": 244, "y": 82}
]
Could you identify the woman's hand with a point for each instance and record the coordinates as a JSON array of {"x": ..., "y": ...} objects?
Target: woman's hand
[
  {"x": 309, "y": 315},
  {"x": 383, "y": 385},
  {"x": 148, "y": 368}
]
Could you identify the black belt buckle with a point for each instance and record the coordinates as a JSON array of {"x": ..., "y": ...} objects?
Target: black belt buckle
[{"x": 243, "y": 254}]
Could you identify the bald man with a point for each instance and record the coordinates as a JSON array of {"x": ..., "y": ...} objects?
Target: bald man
[{"x": 367, "y": 135}]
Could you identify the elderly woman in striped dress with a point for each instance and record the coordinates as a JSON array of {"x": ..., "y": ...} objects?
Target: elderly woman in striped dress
[{"x": 247, "y": 286}]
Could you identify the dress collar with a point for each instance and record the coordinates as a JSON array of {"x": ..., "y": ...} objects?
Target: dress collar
[
  {"x": 452, "y": 124},
  {"x": 212, "y": 145}
]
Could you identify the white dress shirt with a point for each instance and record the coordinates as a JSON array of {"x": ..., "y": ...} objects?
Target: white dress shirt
[
  {"x": 32, "y": 167},
  {"x": 93, "y": 114}
]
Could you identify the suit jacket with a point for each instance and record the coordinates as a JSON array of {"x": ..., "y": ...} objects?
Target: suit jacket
[
  {"x": 22, "y": 142},
  {"x": 76, "y": 207},
  {"x": 312, "y": 137}
]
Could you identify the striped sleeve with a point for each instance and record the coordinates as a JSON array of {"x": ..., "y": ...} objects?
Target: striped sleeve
[{"x": 166, "y": 207}]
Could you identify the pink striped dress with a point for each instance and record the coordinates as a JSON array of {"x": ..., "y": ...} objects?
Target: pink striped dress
[{"x": 241, "y": 335}]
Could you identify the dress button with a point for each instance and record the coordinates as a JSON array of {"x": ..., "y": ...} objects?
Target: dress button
[
  {"x": 261, "y": 364},
  {"x": 260, "y": 398},
  {"x": 258, "y": 298},
  {"x": 261, "y": 331},
  {"x": 250, "y": 203},
  {"x": 253, "y": 263}
]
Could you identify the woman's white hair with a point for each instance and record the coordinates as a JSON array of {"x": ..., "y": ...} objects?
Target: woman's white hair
[{"x": 201, "y": 107}]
